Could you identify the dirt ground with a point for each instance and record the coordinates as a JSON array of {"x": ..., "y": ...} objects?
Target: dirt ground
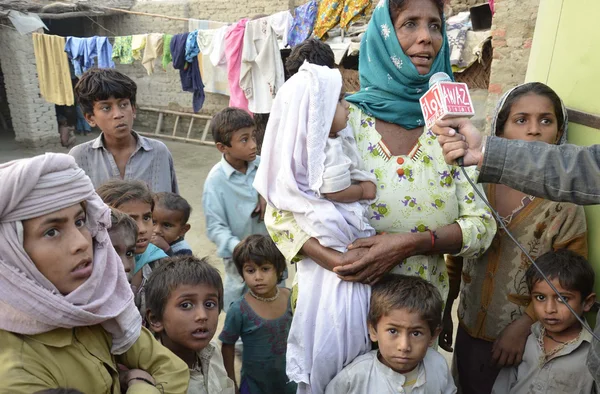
[{"x": 192, "y": 164}]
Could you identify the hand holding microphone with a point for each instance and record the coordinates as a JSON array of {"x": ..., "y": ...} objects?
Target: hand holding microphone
[
  {"x": 467, "y": 143},
  {"x": 446, "y": 100}
]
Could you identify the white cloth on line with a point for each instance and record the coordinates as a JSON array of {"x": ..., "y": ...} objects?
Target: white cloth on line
[
  {"x": 281, "y": 22},
  {"x": 213, "y": 77},
  {"x": 261, "y": 72}
]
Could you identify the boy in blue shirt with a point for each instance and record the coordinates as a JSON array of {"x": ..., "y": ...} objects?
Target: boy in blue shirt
[{"x": 232, "y": 208}]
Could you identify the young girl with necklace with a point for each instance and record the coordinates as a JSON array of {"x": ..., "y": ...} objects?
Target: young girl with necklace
[{"x": 262, "y": 318}]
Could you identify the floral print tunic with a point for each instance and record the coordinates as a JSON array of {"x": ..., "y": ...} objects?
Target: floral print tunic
[{"x": 416, "y": 192}]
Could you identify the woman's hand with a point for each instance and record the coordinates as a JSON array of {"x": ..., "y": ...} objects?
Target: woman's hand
[
  {"x": 510, "y": 345},
  {"x": 384, "y": 253},
  {"x": 445, "y": 339}
]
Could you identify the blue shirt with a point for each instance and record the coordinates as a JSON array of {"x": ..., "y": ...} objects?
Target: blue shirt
[{"x": 228, "y": 201}]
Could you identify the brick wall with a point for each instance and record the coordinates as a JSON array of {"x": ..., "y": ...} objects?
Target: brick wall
[
  {"x": 512, "y": 33},
  {"x": 464, "y": 5},
  {"x": 33, "y": 119}
]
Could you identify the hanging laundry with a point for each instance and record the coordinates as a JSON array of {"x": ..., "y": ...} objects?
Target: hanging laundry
[
  {"x": 328, "y": 16},
  {"x": 84, "y": 51},
  {"x": 303, "y": 23},
  {"x": 191, "y": 46},
  {"x": 154, "y": 50},
  {"x": 234, "y": 40},
  {"x": 189, "y": 73},
  {"x": 261, "y": 73},
  {"x": 103, "y": 52},
  {"x": 354, "y": 9},
  {"x": 53, "y": 69},
  {"x": 342, "y": 12},
  {"x": 214, "y": 77},
  {"x": 166, "y": 58},
  {"x": 74, "y": 48},
  {"x": 281, "y": 23},
  {"x": 138, "y": 43},
  {"x": 217, "y": 56},
  {"x": 122, "y": 50}
]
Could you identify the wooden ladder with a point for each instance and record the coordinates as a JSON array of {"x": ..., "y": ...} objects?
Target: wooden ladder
[{"x": 173, "y": 136}]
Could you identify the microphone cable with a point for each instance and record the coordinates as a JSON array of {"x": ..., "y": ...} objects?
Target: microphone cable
[{"x": 501, "y": 223}]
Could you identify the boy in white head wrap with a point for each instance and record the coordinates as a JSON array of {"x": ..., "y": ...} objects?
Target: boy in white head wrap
[{"x": 67, "y": 315}]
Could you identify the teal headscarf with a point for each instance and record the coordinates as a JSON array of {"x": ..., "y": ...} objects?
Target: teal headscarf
[{"x": 390, "y": 84}]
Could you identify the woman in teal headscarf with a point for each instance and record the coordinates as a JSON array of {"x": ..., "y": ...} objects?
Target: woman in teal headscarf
[{"x": 424, "y": 207}]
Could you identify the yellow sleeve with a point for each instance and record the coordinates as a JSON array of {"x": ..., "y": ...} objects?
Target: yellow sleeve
[
  {"x": 286, "y": 233},
  {"x": 21, "y": 372},
  {"x": 168, "y": 370}
]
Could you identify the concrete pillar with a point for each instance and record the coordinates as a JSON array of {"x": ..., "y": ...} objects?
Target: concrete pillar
[{"x": 33, "y": 119}]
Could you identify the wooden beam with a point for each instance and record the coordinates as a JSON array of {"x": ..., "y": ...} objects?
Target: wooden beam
[
  {"x": 66, "y": 15},
  {"x": 584, "y": 118}
]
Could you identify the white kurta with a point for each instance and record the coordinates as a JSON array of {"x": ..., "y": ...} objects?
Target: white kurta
[{"x": 261, "y": 72}]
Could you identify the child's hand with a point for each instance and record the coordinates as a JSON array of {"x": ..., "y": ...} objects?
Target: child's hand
[
  {"x": 445, "y": 339},
  {"x": 160, "y": 242},
  {"x": 260, "y": 209},
  {"x": 369, "y": 190},
  {"x": 510, "y": 345}
]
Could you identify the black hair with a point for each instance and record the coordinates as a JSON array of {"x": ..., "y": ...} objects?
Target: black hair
[
  {"x": 397, "y": 6},
  {"x": 227, "y": 122},
  {"x": 117, "y": 192},
  {"x": 259, "y": 249},
  {"x": 311, "y": 50},
  {"x": 97, "y": 84},
  {"x": 173, "y": 202},
  {"x": 538, "y": 89},
  {"x": 572, "y": 270},
  {"x": 413, "y": 293},
  {"x": 178, "y": 271},
  {"x": 120, "y": 220}
]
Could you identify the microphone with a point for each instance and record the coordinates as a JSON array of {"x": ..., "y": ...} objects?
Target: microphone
[{"x": 446, "y": 99}]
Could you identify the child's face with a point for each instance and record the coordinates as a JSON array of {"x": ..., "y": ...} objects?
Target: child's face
[
  {"x": 340, "y": 119},
  {"x": 532, "y": 118},
  {"x": 190, "y": 318},
  {"x": 262, "y": 280},
  {"x": 124, "y": 243},
  {"x": 141, "y": 212},
  {"x": 552, "y": 313},
  {"x": 60, "y": 245},
  {"x": 243, "y": 145},
  {"x": 403, "y": 339},
  {"x": 168, "y": 224},
  {"x": 113, "y": 116}
]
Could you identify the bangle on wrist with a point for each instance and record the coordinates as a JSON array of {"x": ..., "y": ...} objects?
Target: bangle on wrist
[
  {"x": 432, "y": 238},
  {"x": 140, "y": 379}
]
